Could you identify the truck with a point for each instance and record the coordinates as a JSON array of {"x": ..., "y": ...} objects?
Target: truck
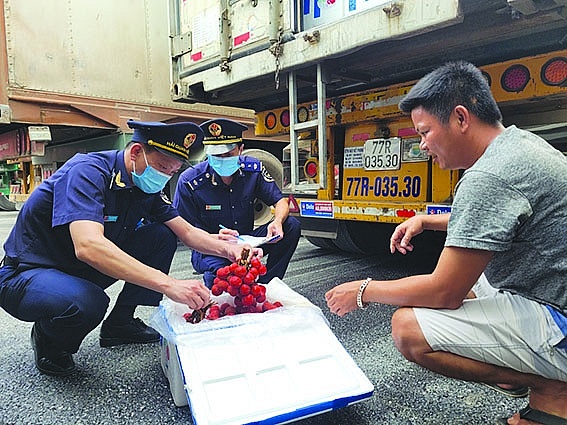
[
  {"x": 72, "y": 74},
  {"x": 328, "y": 74}
]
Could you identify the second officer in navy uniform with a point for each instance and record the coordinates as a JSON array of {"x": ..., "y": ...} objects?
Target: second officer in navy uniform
[
  {"x": 221, "y": 191},
  {"x": 100, "y": 218}
]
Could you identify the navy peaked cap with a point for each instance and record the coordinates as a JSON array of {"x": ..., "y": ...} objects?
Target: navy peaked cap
[
  {"x": 221, "y": 135},
  {"x": 173, "y": 139}
]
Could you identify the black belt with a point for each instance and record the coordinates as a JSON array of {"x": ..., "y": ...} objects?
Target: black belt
[{"x": 8, "y": 261}]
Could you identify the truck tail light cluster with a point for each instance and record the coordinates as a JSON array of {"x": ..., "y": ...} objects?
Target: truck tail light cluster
[{"x": 553, "y": 72}]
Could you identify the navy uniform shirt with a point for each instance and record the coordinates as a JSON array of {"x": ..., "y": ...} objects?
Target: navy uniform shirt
[
  {"x": 94, "y": 187},
  {"x": 205, "y": 201}
]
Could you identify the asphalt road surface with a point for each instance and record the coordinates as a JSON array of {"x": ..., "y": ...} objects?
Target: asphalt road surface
[{"x": 125, "y": 385}]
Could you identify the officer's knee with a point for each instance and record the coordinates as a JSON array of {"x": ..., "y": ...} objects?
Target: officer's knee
[
  {"x": 165, "y": 236},
  {"x": 292, "y": 227},
  {"x": 89, "y": 311},
  {"x": 153, "y": 244},
  {"x": 155, "y": 233}
]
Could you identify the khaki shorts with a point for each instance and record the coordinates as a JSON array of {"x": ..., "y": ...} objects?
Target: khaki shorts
[{"x": 498, "y": 328}]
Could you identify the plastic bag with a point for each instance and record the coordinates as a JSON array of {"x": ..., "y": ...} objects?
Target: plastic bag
[{"x": 296, "y": 311}]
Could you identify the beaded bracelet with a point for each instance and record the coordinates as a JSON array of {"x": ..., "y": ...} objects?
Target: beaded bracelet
[{"x": 363, "y": 286}]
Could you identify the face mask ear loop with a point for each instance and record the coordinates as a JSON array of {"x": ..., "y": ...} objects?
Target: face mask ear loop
[{"x": 145, "y": 159}]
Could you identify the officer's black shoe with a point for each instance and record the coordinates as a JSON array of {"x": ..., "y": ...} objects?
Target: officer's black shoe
[
  {"x": 48, "y": 359},
  {"x": 133, "y": 332}
]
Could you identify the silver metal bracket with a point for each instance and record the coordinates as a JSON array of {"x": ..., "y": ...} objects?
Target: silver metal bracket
[{"x": 181, "y": 44}]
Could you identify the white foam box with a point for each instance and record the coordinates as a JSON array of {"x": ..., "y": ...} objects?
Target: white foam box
[{"x": 259, "y": 368}]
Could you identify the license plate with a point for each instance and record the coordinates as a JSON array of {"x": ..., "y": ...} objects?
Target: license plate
[{"x": 382, "y": 154}]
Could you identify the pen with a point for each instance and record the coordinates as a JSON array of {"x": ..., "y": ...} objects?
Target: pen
[
  {"x": 238, "y": 236},
  {"x": 273, "y": 238}
]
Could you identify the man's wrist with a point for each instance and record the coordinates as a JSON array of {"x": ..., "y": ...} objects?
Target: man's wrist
[{"x": 360, "y": 292}]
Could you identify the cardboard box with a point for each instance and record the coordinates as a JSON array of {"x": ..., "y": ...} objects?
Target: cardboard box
[{"x": 262, "y": 368}]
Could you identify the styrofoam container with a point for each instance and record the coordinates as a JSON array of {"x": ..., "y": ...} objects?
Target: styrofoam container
[{"x": 259, "y": 368}]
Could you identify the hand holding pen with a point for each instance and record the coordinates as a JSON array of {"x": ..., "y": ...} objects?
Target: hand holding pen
[
  {"x": 230, "y": 235},
  {"x": 225, "y": 231}
]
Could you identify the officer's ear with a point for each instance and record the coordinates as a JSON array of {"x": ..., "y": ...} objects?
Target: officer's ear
[
  {"x": 136, "y": 150},
  {"x": 134, "y": 153}
]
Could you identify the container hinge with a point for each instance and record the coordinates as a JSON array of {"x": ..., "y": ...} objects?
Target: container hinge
[{"x": 181, "y": 44}]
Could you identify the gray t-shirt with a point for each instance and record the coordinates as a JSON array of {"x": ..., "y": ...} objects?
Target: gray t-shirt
[{"x": 513, "y": 202}]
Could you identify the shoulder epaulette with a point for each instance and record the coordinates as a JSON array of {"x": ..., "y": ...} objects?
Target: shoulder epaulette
[
  {"x": 198, "y": 180},
  {"x": 251, "y": 164}
]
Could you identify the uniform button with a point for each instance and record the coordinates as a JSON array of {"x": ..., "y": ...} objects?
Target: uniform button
[
  {"x": 232, "y": 207},
  {"x": 230, "y": 190}
]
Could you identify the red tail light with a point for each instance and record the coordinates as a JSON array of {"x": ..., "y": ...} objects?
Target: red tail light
[
  {"x": 554, "y": 72},
  {"x": 515, "y": 78},
  {"x": 284, "y": 118},
  {"x": 311, "y": 169},
  {"x": 270, "y": 121}
]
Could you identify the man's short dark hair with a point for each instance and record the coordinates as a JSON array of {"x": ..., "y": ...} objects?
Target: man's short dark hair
[{"x": 455, "y": 83}]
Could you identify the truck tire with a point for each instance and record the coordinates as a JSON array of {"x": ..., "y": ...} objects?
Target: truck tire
[
  {"x": 363, "y": 237},
  {"x": 262, "y": 212},
  {"x": 324, "y": 243},
  {"x": 345, "y": 241}
]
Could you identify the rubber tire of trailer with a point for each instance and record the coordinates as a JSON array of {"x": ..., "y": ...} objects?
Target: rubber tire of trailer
[{"x": 361, "y": 237}]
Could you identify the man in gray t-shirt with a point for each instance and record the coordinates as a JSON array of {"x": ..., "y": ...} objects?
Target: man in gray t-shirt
[
  {"x": 495, "y": 308},
  {"x": 512, "y": 202}
]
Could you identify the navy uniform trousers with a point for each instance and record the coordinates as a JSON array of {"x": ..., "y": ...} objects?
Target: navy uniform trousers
[
  {"x": 67, "y": 307},
  {"x": 279, "y": 254}
]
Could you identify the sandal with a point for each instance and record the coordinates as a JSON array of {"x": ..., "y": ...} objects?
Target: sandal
[
  {"x": 536, "y": 416},
  {"x": 519, "y": 392}
]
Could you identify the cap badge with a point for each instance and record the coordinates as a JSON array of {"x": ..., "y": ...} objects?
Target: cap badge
[
  {"x": 189, "y": 140},
  {"x": 215, "y": 129}
]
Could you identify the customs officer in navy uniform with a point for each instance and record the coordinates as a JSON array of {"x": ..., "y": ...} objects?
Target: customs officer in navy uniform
[
  {"x": 102, "y": 217},
  {"x": 221, "y": 191}
]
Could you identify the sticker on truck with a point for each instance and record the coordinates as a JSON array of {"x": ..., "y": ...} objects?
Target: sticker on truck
[
  {"x": 438, "y": 209},
  {"x": 319, "y": 209}
]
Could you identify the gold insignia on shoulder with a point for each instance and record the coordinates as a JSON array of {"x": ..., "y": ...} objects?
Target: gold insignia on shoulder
[
  {"x": 164, "y": 198},
  {"x": 215, "y": 129},
  {"x": 189, "y": 140},
  {"x": 118, "y": 180},
  {"x": 266, "y": 174}
]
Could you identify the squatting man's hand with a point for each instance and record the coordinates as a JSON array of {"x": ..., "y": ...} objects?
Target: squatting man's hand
[
  {"x": 341, "y": 299},
  {"x": 403, "y": 234}
]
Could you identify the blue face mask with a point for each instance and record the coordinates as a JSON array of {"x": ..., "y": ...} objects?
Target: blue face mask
[
  {"x": 224, "y": 166},
  {"x": 151, "y": 180}
]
